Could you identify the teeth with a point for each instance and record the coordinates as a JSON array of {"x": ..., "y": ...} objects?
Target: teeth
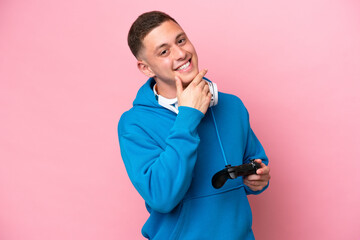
[{"x": 184, "y": 66}]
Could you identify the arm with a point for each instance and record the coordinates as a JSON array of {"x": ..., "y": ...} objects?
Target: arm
[
  {"x": 256, "y": 183},
  {"x": 162, "y": 176}
]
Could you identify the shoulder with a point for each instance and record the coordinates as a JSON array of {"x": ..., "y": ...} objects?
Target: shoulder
[
  {"x": 230, "y": 100},
  {"x": 129, "y": 120},
  {"x": 230, "y": 97},
  {"x": 142, "y": 119}
]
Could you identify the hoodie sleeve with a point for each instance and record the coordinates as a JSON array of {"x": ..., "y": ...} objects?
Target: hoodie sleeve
[
  {"x": 162, "y": 176},
  {"x": 254, "y": 150}
]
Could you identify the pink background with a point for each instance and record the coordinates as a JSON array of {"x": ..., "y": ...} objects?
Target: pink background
[{"x": 66, "y": 76}]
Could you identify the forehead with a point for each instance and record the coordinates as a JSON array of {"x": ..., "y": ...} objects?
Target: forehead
[{"x": 166, "y": 33}]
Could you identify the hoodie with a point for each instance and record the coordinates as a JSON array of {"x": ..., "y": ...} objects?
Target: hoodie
[{"x": 171, "y": 158}]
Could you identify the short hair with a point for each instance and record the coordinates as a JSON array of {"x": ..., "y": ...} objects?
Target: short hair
[{"x": 142, "y": 26}]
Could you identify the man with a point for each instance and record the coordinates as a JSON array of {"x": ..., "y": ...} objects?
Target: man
[{"x": 172, "y": 143}]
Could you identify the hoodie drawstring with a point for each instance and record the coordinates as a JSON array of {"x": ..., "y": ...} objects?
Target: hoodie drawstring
[{"x": 218, "y": 136}]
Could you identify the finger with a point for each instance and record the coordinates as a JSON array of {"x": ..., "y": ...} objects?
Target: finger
[
  {"x": 256, "y": 186},
  {"x": 258, "y": 160},
  {"x": 179, "y": 86},
  {"x": 264, "y": 179},
  {"x": 206, "y": 88},
  {"x": 252, "y": 183},
  {"x": 208, "y": 99},
  {"x": 253, "y": 177},
  {"x": 262, "y": 166},
  {"x": 260, "y": 178},
  {"x": 263, "y": 170},
  {"x": 199, "y": 77},
  {"x": 262, "y": 183},
  {"x": 202, "y": 83}
]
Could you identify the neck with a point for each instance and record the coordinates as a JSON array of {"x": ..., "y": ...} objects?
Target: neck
[{"x": 165, "y": 90}]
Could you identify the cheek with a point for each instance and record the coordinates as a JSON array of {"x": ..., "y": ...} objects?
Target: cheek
[
  {"x": 160, "y": 67},
  {"x": 167, "y": 62},
  {"x": 190, "y": 48},
  {"x": 165, "y": 65}
]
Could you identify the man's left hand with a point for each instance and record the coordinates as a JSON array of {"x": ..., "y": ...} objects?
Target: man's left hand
[{"x": 258, "y": 181}]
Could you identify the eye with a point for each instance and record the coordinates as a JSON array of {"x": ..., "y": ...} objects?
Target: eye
[
  {"x": 181, "y": 41},
  {"x": 163, "y": 52}
]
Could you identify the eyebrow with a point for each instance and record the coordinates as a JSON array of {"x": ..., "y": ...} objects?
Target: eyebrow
[{"x": 165, "y": 44}]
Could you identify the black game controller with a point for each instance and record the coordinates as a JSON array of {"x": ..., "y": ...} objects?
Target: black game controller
[{"x": 230, "y": 172}]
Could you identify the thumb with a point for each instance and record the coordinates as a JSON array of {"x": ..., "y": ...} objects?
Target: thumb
[{"x": 179, "y": 86}]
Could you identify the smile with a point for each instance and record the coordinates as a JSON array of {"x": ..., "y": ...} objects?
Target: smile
[{"x": 185, "y": 66}]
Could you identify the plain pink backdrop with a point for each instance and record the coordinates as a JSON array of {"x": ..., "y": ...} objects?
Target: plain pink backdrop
[{"x": 66, "y": 76}]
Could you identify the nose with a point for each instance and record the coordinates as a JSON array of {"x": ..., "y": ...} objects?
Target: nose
[{"x": 179, "y": 53}]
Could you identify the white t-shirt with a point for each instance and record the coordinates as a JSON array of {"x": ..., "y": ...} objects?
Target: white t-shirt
[{"x": 169, "y": 103}]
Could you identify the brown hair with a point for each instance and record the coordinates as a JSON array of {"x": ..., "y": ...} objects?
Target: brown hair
[{"x": 142, "y": 26}]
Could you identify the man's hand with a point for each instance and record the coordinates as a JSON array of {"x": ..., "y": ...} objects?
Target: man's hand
[
  {"x": 196, "y": 95},
  {"x": 258, "y": 181}
]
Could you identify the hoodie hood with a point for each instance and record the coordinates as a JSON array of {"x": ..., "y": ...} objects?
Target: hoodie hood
[{"x": 146, "y": 96}]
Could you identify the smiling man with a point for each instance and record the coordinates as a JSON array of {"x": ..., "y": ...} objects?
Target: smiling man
[{"x": 179, "y": 133}]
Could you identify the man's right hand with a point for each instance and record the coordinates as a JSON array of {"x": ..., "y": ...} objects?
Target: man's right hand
[{"x": 196, "y": 95}]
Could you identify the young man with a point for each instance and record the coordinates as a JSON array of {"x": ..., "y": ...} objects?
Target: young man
[{"x": 172, "y": 143}]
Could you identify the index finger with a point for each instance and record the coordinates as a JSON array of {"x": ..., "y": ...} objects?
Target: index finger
[
  {"x": 178, "y": 84},
  {"x": 199, "y": 77}
]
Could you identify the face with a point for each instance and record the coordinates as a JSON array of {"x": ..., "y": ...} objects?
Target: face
[{"x": 166, "y": 53}]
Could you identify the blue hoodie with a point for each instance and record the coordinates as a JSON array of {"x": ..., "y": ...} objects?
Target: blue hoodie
[{"x": 171, "y": 159}]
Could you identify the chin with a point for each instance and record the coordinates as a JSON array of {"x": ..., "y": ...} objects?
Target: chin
[{"x": 187, "y": 78}]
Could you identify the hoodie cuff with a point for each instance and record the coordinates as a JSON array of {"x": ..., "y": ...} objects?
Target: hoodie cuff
[{"x": 188, "y": 118}]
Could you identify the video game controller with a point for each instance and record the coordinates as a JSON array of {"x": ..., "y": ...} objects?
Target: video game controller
[{"x": 230, "y": 172}]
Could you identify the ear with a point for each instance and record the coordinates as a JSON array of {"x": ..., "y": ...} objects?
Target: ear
[{"x": 145, "y": 68}]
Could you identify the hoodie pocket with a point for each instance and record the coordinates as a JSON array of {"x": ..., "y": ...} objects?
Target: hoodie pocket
[{"x": 226, "y": 215}]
